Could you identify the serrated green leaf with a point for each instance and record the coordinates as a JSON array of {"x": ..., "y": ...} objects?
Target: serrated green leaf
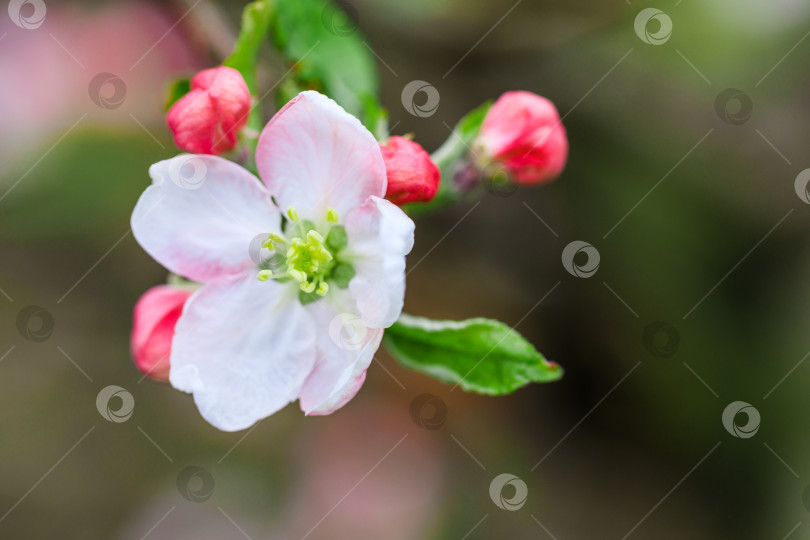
[
  {"x": 327, "y": 50},
  {"x": 479, "y": 355}
]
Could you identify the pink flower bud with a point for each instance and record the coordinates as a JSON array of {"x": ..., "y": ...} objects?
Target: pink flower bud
[
  {"x": 208, "y": 119},
  {"x": 153, "y": 322},
  {"x": 523, "y": 132},
  {"x": 412, "y": 175}
]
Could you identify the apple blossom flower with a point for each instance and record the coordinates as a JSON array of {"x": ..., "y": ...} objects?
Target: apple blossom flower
[
  {"x": 303, "y": 320},
  {"x": 209, "y": 118},
  {"x": 412, "y": 175},
  {"x": 153, "y": 322},
  {"x": 523, "y": 133}
]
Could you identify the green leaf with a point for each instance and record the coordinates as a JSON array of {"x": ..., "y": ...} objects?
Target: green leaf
[
  {"x": 375, "y": 117},
  {"x": 177, "y": 89},
  {"x": 449, "y": 156},
  {"x": 327, "y": 52},
  {"x": 337, "y": 238},
  {"x": 256, "y": 19},
  {"x": 479, "y": 355}
]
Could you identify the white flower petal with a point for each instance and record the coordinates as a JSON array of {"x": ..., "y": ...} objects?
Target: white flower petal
[
  {"x": 200, "y": 215},
  {"x": 243, "y": 348},
  {"x": 345, "y": 349},
  {"x": 380, "y": 235},
  {"x": 314, "y": 155}
]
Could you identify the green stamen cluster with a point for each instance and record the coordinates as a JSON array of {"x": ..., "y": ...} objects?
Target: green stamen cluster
[{"x": 308, "y": 258}]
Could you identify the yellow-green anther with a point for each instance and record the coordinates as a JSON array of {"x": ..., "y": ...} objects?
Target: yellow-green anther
[
  {"x": 297, "y": 275},
  {"x": 315, "y": 236},
  {"x": 323, "y": 288},
  {"x": 332, "y": 216},
  {"x": 264, "y": 275},
  {"x": 292, "y": 213},
  {"x": 307, "y": 287}
]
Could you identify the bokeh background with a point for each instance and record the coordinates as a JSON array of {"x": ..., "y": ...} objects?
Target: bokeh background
[{"x": 701, "y": 298}]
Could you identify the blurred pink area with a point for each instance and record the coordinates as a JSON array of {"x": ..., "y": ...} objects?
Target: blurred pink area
[
  {"x": 47, "y": 70},
  {"x": 365, "y": 472},
  {"x": 368, "y": 472}
]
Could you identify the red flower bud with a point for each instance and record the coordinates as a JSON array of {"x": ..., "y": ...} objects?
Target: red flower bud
[
  {"x": 208, "y": 119},
  {"x": 153, "y": 322},
  {"x": 523, "y": 132},
  {"x": 412, "y": 175}
]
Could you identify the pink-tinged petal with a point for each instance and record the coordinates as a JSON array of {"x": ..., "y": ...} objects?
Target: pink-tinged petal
[
  {"x": 314, "y": 155},
  {"x": 380, "y": 235},
  {"x": 244, "y": 348},
  {"x": 345, "y": 349},
  {"x": 200, "y": 215},
  {"x": 153, "y": 322}
]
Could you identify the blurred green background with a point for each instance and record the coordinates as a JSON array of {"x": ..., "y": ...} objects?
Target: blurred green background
[{"x": 689, "y": 200}]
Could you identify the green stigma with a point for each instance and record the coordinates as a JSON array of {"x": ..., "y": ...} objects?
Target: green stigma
[{"x": 308, "y": 258}]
